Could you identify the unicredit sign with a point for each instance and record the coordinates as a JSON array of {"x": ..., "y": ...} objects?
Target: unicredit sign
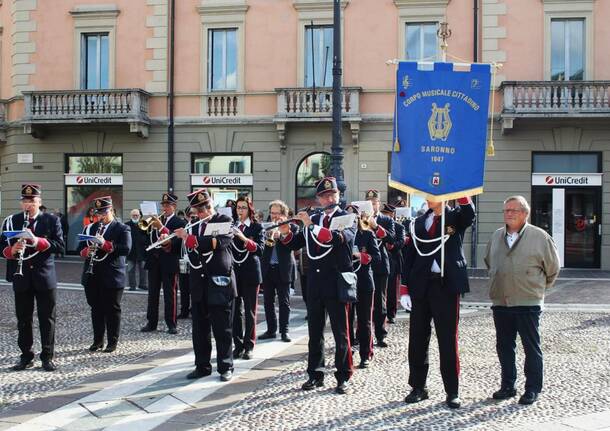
[
  {"x": 221, "y": 180},
  {"x": 554, "y": 180},
  {"x": 94, "y": 180}
]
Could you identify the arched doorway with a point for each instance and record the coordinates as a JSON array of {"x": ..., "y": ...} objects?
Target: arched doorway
[{"x": 309, "y": 170}]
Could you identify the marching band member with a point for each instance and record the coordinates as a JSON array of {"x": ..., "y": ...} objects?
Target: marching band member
[
  {"x": 365, "y": 252},
  {"x": 104, "y": 273},
  {"x": 30, "y": 266},
  {"x": 436, "y": 298},
  {"x": 278, "y": 270},
  {"x": 247, "y": 247},
  {"x": 212, "y": 284},
  {"x": 163, "y": 266},
  {"x": 383, "y": 227},
  {"x": 330, "y": 254},
  {"x": 396, "y": 262}
]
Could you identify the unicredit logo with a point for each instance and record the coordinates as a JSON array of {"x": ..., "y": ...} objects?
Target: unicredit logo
[
  {"x": 567, "y": 180},
  {"x": 222, "y": 180},
  {"x": 93, "y": 180},
  {"x": 549, "y": 180},
  {"x": 80, "y": 180},
  {"x": 206, "y": 180}
]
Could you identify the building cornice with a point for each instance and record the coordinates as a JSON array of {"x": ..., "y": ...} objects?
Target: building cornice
[
  {"x": 316, "y": 5},
  {"x": 222, "y": 7},
  {"x": 420, "y": 3},
  {"x": 95, "y": 11}
]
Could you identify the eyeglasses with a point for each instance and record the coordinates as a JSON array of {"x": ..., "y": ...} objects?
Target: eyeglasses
[
  {"x": 242, "y": 208},
  {"x": 512, "y": 211}
]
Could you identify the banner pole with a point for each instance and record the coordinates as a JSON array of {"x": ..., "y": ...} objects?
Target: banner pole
[{"x": 443, "y": 240}]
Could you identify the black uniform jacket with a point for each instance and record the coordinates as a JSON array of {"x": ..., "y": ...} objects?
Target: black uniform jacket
[
  {"x": 383, "y": 266},
  {"x": 322, "y": 273},
  {"x": 220, "y": 263},
  {"x": 417, "y": 271},
  {"x": 110, "y": 271},
  {"x": 39, "y": 271},
  {"x": 396, "y": 259},
  {"x": 286, "y": 262},
  {"x": 365, "y": 241},
  {"x": 250, "y": 268},
  {"x": 139, "y": 239},
  {"x": 158, "y": 256}
]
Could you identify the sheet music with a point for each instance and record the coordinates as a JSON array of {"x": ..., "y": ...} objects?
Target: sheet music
[
  {"x": 342, "y": 222},
  {"x": 25, "y": 234},
  {"x": 226, "y": 211},
  {"x": 149, "y": 208},
  {"x": 215, "y": 229},
  {"x": 403, "y": 212},
  {"x": 92, "y": 238},
  {"x": 365, "y": 207}
]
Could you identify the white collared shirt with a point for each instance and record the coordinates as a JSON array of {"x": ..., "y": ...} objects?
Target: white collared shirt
[
  {"x": 330, "y": 215},
  {"x": 429, "y": 220},
  {"x": 245, "y": 223}
]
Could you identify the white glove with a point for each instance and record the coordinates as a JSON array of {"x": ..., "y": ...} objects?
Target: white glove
[{"x": 405, "y": 301}]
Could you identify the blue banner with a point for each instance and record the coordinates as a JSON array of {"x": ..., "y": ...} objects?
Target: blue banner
[{"x": 440, "y": 129}]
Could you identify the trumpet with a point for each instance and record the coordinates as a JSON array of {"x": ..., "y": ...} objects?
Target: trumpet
[
  {"x": 173, "y": 235},
  {"x": 310, "y": 211},
  {"x": 20, "y": 258},
  {"x": 146, "y": 223}
]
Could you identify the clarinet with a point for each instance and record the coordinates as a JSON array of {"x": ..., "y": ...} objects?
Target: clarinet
[
  {"x": 20, "y": 259},
  {"x": 93, "y": 249}
]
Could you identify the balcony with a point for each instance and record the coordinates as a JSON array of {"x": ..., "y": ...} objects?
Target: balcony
[
  {"x": 302, "y": 104},
  {"x": 222, "y": 105},
  {"x": 554, "y": 99},
  {"x": 46, "y": 108}
]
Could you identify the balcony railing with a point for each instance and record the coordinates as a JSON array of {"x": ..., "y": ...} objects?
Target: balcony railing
[
  {"x": 304, "y": 103},
  {"x": 87, "y": 106},
  {"x": 222, "y": 105},
  {"x": 555, "y": 99}
]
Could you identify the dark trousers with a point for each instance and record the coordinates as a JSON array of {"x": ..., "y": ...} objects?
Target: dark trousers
[
  {"x": 105, "y": 311},
  {"x": 207, "y": 320},
  {"x": 316, "y": 322},
  {"x": 393, "y": 285},
  {"x": 169, "y": 281},
  {"x": 244, "y": 319},
  {"x": 303, "y": 280},
  {"x": 380, "y": 310},
  {"x": 524, "y": 321},
  {"x": 134, "y": 267},
  {"x": 24, "y": 308},
  {"x": 274, "y": 285},
  {"x": 185, "y": 294},
  {"x": 361, "y": 325},
  {"x": 442, "y": 307}
]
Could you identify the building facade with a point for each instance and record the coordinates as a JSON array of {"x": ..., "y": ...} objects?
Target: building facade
[{"x": 91, "y": 91}]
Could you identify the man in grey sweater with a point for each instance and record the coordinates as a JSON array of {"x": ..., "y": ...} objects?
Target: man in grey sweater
[{"x": 523, "y": 263}]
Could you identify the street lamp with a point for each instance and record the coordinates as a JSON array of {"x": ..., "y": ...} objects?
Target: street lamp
[{"x": 336, "y": 167}]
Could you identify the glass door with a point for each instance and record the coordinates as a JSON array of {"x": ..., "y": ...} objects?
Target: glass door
[{"x": 582, "y": 235}]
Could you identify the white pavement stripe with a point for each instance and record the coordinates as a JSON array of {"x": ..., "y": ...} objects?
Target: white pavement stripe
[
  {"x": 168, "y": 406},
  {"x": 551, "y": 306}
]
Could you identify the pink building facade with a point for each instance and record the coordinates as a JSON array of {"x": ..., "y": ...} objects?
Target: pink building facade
[{"x": 87, "y": 86}]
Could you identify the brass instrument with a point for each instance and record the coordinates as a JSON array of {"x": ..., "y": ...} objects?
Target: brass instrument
[
  {"x": 146, "y": 223},
  {"x": 20, "y": 258},
  {"x": 93, "y": 249},
  {"x": 173, "y": 235},
  {"x": 310, "y": 211}
]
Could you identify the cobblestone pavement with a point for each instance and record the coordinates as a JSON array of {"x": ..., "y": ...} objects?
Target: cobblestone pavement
[{"x": 577, "y": 373}]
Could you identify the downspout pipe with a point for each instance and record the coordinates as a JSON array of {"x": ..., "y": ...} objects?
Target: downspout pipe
[
  {"x": 170, "y": 100},
  {"x": 474, "y": 232}
]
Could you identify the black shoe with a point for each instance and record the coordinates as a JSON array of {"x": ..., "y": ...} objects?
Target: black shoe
[
  {"x": 226, "y": 376},
  {"x": 110, "y": 348},
  {"x": 198, "y": 373},
  {"x": 365, "y": 363},
  {"x": 391, "y": 320},
  {"x": 504, "y": 394},
  {"x": 286, "y": 338},
  {"x": 416, "y": 395},
  {"x": 133, "y": 288},
  {"x": 453, "y": 401},
  {"x": 247, "y": 354},
  {"x": 237, "y": 352},
  {"x": 313, "y": 382},
  {"x": 267, "y": 336},
  {"x": 48, "y": 365},
  {"x": 342, "y": 388},
  {"x": 172, "y": 331},
  {"x": 148, "y": 328},
  {"x": 382, "y": 343},
  {"x": 528, "y": 398},
  {"x": 22, "y": 365},
  {"x": 96, "y": 346},
  {"x": 143, "y": 287}
]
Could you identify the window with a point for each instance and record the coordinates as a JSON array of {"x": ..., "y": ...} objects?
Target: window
[
  {"x": 222, "y": 164},
  {"x": 95, "y": 164},
  {"x": 567, "y": 49},
  {"x": 222, "y": 59},
  {"x": 94, "y": 61},
  {"x": 566, "y": 163},
  {"x": 421, "y": 41},
  {"x": 237, "y": 167},
  {"x": 318, "y": 56},
  {"x": 312, "y": 168}
]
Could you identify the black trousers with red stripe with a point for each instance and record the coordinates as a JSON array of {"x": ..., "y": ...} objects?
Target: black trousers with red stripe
[
  {"x": 392, "y": 299},
  {"x": 158, "y": 278},
  {"x": 442, "y": 307},
  {"x": 361, "y": 323},
  {"x": 316, "y": 321},
  {"x": 244, "y": 317}
]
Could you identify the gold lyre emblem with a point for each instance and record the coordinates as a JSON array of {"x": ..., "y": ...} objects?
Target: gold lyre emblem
[
  {"x": 439, "y": 124},
  {"x": 200, "y": 197},
  {"x": 166, "y": 197},
  {"x": 98, "y": 204},
  {"x": 28, "y": 190},
  {"x": 449, "y": 230},
  {"x": 327, "y": 185},
  {"x": 406, "y": 83}
]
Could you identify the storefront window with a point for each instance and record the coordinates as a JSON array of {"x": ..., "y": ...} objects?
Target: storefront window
[
  {"x": 225, "y": 176},
  {"x": 95, "y": 164},
  {"x": 222, "y": 164},
  {"x": 310, "y": 170},
  {"x": 565, "y": 163}
]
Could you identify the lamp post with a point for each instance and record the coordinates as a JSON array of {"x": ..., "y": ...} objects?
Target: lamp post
[{"x": 336, "y": 167}]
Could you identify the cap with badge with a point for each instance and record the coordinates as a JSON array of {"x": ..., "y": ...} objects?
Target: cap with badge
[
  {"x": 198, "y": 198},
  {"x": 102, "y": 204},
  {"x": 30, "y": 191},
  {"x": 326, "y": 184},
  {"x": 169, "y": 198},
  {"x": 387, "y": 208},
  {"x": 372, "y": 194}
]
